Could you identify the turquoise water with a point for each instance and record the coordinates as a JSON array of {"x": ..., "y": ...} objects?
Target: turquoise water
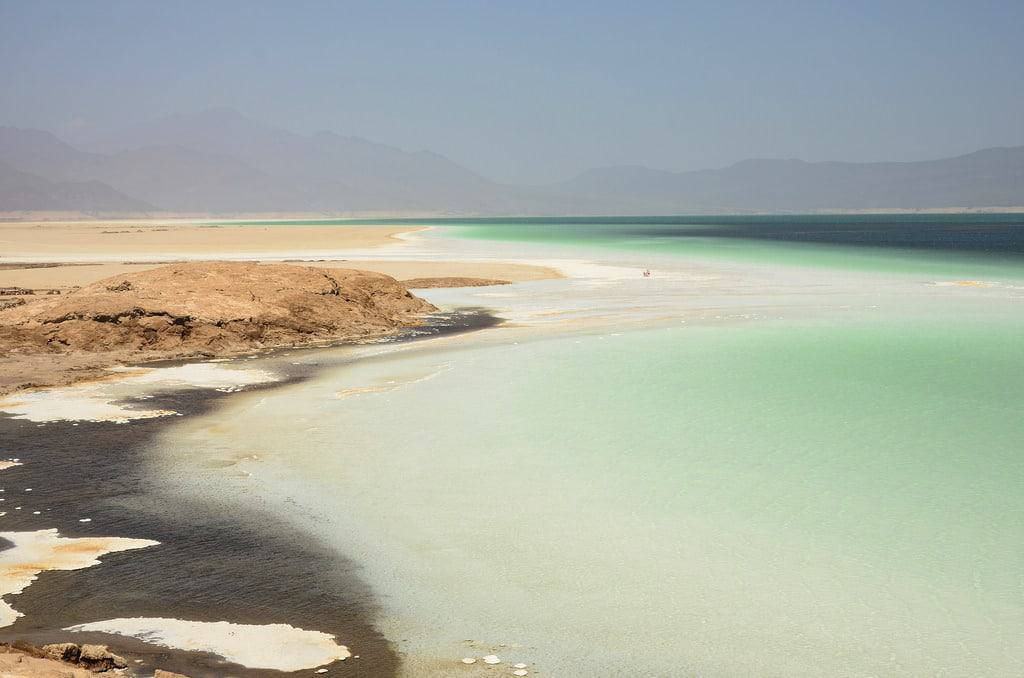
[
  {"x": 831, "y": 488},
  {"x": 958, "y": 245},
  {"x": 787, "y": 499},
  {"x": 964, "y": 245}
]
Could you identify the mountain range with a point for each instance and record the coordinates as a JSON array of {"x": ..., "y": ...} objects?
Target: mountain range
[{"x": 220, "y": 161}]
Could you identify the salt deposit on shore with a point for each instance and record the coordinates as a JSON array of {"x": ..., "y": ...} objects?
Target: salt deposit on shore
[
  {"x": 41, "y": 550},
  {"x": 277, "y": 647},
  {"x": 106, "y": 400}
]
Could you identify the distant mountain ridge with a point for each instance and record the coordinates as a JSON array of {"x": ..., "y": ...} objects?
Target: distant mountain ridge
[
  {"x": 987, "y": 178},
  {"x": 220, "y": 161},
  {"x": 23, "y": 191}
]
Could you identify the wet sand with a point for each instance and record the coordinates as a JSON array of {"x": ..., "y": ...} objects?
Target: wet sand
[{"x": 209, "y": 566}]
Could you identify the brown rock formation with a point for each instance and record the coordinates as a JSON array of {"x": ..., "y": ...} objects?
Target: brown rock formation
[
  {"x": 59, "y": 660},
  {"x": 65, "y": 652},
  {"x": 203, "y": 309},
  {"x": 98, "y": 658}
]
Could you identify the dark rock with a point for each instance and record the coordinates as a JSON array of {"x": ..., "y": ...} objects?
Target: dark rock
[
  {"x": 98, "y": 658},
  {"x": 65, "y": 652},
  {"x": 123, "y": 286}
]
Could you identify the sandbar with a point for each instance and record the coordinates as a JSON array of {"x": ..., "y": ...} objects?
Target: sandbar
[{"x": 112, "y": 241}]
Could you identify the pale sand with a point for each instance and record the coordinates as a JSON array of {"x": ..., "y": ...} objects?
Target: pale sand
[
  {"x": 100, "y": 249},
  {"x": 82, "y": 274},
  {"x": 115, "y": 241},
  {"x": 103, "y": 400}
]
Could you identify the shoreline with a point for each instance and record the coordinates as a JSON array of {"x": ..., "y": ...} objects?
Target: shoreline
[
  {"x": 22, "y": 369},
  {"x": 65, "y": 275},
  {"x": 194, "y": 310},
  {"x": 299, "y": 583},
  {"x": 59, "y": 257},
  {"x": 209, "y": 543}
]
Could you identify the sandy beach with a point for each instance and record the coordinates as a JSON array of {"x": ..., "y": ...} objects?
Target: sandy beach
[
  {"x": 113, "y": 241},
  {"x": 61, "y": 255}
]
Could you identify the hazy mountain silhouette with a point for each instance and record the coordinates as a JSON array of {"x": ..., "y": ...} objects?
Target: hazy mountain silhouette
[
  {"x": 222, "y": 161},
  {"x": 168, "y": 177},
  {"x": 331, "y": 171},
  {"x": 324, "y": 155},
  {"x": 987, "y": 178},
  {"x": 22, "y": 191}
]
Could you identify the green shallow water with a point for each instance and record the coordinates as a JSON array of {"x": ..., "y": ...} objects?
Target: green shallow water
[
  {"x": 771, "y": 499},
  {"x": 810, "y": 469}
]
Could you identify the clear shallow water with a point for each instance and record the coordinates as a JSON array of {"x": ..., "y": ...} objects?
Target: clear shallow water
[
  {"x": 775, "y": 473},
  {"x": 781, "y": 500}
]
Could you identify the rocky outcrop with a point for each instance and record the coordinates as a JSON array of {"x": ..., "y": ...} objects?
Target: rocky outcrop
[
  {"x": 66, "y": 660},
  {"x": 98, "y": 658},
  {"x": 211, "y": 308},
  {"x": 64, "y": 652},
  {"x": 12, "y": 296},
  {"x": 207, "y": 309}
]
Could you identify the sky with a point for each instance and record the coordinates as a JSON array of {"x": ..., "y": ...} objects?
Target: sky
[{"x": 533, "y": 92}]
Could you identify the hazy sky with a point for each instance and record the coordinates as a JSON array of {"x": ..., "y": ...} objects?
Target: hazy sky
[{"x": 536, "y": 91}]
